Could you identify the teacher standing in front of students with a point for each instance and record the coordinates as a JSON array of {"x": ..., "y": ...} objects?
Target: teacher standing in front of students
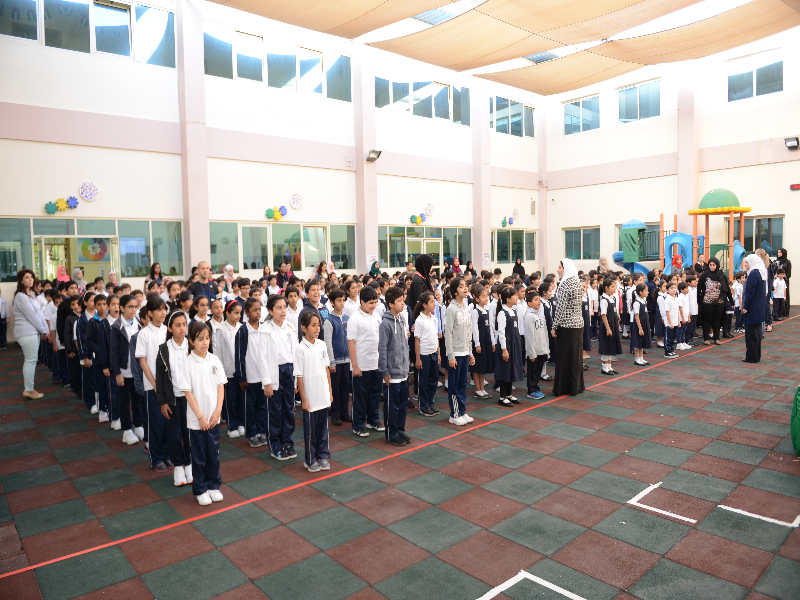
[{"x": 568, "y": 328}]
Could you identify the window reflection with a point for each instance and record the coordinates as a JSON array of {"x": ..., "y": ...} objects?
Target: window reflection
[
  {"x": 66, "y": 24},
  {"x": 18, "y": 19},
  {"x": 112, "y": 29},
  {"x": 155, "y": 36},
  {"x": 310, "y": 63}
]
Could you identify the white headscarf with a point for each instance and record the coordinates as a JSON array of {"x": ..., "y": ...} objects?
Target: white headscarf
[
  {"x": 570, "y": 270},
  {"x": 754, "y": 261}
]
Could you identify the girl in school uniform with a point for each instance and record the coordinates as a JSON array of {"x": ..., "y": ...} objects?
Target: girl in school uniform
[
  {"x": 122, "y": 331},
  {"x": 169, "y": 369},
  {"x": 624, "y": 312},
  {"x": 610, "y": 342},
  {"x": 458, "y": 336},
  {"x": 587, "y": 319},
  {"x": 247, "y": 372},
  {"x": 225, "y": 346},
  {"x": 640, "y": 326},
  {"x": 549, "y": 310},
  {"x": 185, "y": 301},
  {"x": 426, "y": 346},
  {"x": 202, "y": 382},
  {"x": 483, "y": 346},
  {"x": 508, "y": 353},
  {"x": 217, "y": 317},
  {"x": 660, "y": 314}
]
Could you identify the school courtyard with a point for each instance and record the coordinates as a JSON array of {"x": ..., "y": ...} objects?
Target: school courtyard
[{"x": 673, "y": 481}]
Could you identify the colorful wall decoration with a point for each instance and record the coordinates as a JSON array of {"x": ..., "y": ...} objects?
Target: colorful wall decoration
[
  {"x": 92, "y": 249},
  {"x": 61, "y": 204},
  {"x": 423, "y": 216},
  {"x": 276, "y": 213}
]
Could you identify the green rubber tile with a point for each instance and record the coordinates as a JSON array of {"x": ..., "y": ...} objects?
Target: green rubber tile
[
  {"x": 229, "y": 452},
  {"x": 5, "y": 513},
  {"x": 317, "y": 577},
  {"x": 431, "y": 579},
  {"x": 83, "y": 451},
  {"x": 433, "y": 529},
  {"x": 699, "y": 428},
  {"x": 585, "y": 455},
  {"x": 554, "y": 413},
  {"x": 487, "y": 413},
  {"x": 49, "y": 412},
  {"x": 521, "y": 487},
  {"x": 785, "y": 447},
  {"x": 597, "y": 397},
  {"x": 646, "y": 396},
  {"x": 753, "y": 394},
  {"x": 13, "y": 408},
  {"x": 568, "y": 579},
  {"x": 434, "y": 487},
  {"x": 781, "y": 580},
  {"x": 777, "y": 407},
  {"x": 573, "y": 433},
  {"x": 197, "y": 578},
  {"x": 670, "y": 410},
  {"x": 508, "y": 456},
  {"x": 745, "y": 530},
  {"x": 430, "y": 433},
  {"x": 765, "y": 427},
  {"x": 356, "y": 455},
  {"x": 104, "y": 482},
  {"x": 106, "y": 433},
  {"x": 348, "y": 486},
  {"x": 436, "y": 457},
  {"x": 14, "y": 426},
  {"x": 624, "y": 383},
  {"x": 614, "y": 412},
  {"x": 749, "y": 455},
  {"x": 65, "y": 428},
  {"x": 234, "y": 525},
  {"x": 676, "y": 383},
  {"x": 729, "y": 409},
  {"x": 83, "y": 574},
  {"x": 608, "y": 486},
  {"x": 23, "y": 449},
  {"x": 262, "y": 483},
  {"x": 33, "y": 478},
  {"x": 726, "y": 383},
  {"x": 538, "y": 531},
  {"x": 643, "y": 530},
  {"x": 664, "y": 455},
  {"x": 49, "y": 518},
  {"x": 775, "y": 381},
  {"x": 700, "y": 486},
  {"x": 633, "y": 430},
  {"x": 774, "y": 481},
  {"x": 333, "y": 527},
  {"x": 670, "y": 581},
  {"x": 500, "y": 433},
  {"x": 134, "y": 455},
  {"x": 139, "y": 520}
]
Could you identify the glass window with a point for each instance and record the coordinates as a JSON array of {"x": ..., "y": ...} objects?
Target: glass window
[
  {"x": 572, "y": 243},
  {"x": 769, "y": 79},
  {"x": 590, "y": 113},
  {"x": 591, "y": 243},
  {"x": 503, "y": 247},
  {"x": 218, "y": 50},
  {"x": 382, "y": 98},
  {"x": 515, "y": 125},
  {"x": 281, "y": 65},
  {"x": 748, "y": 233},
  {"x": 343, "y": 246},
  {"x": 285, "y": 245},
  {"x": 383, "y": 248},
  {"x": 134, "y": 248},
  {"x": 493, "y": 236},
  {"x": 315, "y": 246},
  {"x": 650, "y": 100},
  {"x": 628, "y": 105},
  {"x": 517, "y": 244},
  {"x": 53, "y": 227},
  {"x": 337, "y": 77},
  {"x": 400, "y": 96},
  {"x": 572, "y": 118},
  {"x": 501, "y": 118},
  {"x": 465, "y": 246},
  {"x": 66, "y": 24},
  {"x": 397, "y": 247},
  {"x": 433, "y": 232},
  {"x": 769, "y": 234},
  {"x": 112, "y": 24},
  {"x": 255, "y": 247},
  {"x": 530, "y": 245},
  {"x": 491, "y": 112},
  {"x": 310, "y": 63},
  {"x": 96, "y": 227},
  {"x": 249, "y": 56},
  {"x": 12, "y": 21},
  {"x": 168, "y": 246},
  {"x": 224, "y": 246},
  {"x": 740, "y": 86},
  {"x": 423, "y": 99},
  {"x": 415, "y": 232},
  {"x": 528, "y": 122},
  {"x": 15, "y": 248},
  {"x": 441, "y": 101},
  {"x": 461, "y": 105},
  {"x": 449, "y": 244},
  {"x": 155, "y": 36}
]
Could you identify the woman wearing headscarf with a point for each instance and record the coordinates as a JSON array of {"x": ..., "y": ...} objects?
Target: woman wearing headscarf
[
  {"x": 603, "y": 266},
  {"x": 518, "y": 269},
  {"x": 375, "y": 270},
  {"x": 456, "y": 268},
  {"x": 568, "y": 328},
  {"x": 77, "y": 276},
  {"x": 422, "y": 279},
  {"x": 470, "y": 270},
  {"x": 754, "y": 305},
  {"x": 712, "y": 290},
  {"x": 677, "y": 265},
  {"x": 62, "y": 274},
  {"x": 771, "y": 272},
  {"x": 785, "y": 264},
  {"x": 227, "y": 273}
]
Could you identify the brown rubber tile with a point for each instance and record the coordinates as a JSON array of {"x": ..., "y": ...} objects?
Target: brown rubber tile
[
  {"x": 610, "y": 441},
  {"x": 117, "y": 501},
  {"x": 679, "y": 439},
  {"x": 791, "y": 547},
  {"x": 387, "y": 506},
  {"x": 577, "y": 507},
  {"x": 730, "y": 470},
  {"x": 612, "y": 390},
  {"x": 785, "y": 463},
  {"x": 638, "y": 469},
  {"x": 93, "y": 465},
  {"x": 766, "y": 504},
  {"x": 679, "y": 504},
  {"x": 573, "y": 404},
  {"x": 247, "y": 591},
  {"x": 739, "y": 401},
  {"x": 73, "y": 439},
  {"x": 555, "y": 470},
  {"x": 237, "y": 468},
  {"x": 366, "y": 594},
  {"x": 685, "y": 402},
  {"x": 528, "y": 422},
  {"x": 469, "y": 443},
  {"x": 705, "y": 416},
  {"x": 19, "y": 464},
  {"x": 57, "y": 419},
  {"x": 590, "y": 421},
  {"x": 53, "y": 544},
  {"x": 268, "y": 552},
  {"x": 44, "y": 495},
  {"x": 771, "y": 417},
  {"x": 366, "y": 556},
  {"x": 750, "y": 438},
  {"x": 475, "y": 471},
  {"x": 630, "y": 403},
  {"x": 482, "y": 507},
  {"x": 21, "y": 587},
  {"x": 186, "y": 504},
  {"x": 654, "y": 419},
  {"x": 147, "y": 553},
  {"x": 132, "y": 588},
  {"x": 296, "y": 504},
  {"x": 538, "y": 442},
  {"x": 338, "y": 442}
]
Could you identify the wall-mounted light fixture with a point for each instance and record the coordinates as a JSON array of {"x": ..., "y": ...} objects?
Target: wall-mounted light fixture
[
  {"x": 373, "y": 155},
  {"x": 791, "y": 143}
]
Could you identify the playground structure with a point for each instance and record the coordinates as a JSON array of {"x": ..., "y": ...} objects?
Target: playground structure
[{"x": 722, "y": 202}]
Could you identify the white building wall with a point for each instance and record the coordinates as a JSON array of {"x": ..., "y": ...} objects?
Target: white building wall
[{"x": 400, "y": 197}]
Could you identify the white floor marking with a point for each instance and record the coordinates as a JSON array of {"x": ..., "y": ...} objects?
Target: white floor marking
[
  {"x": 795, "y": 523},
  {"x": 635, "y": 502},
  {"x": 525, "y": 575}
]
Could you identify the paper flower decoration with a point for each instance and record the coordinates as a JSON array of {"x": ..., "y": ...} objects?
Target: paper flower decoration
[
  {"x": 515, "y": 213},
  {"x": 505, "y": 222},
  {"x": 50, "y": 207},
  {"x": 72, "y": 202},
  {"x": 89, "y": 191},
  {"x": 510, "y": 220},
  {"x": 270, "y": 213},
  {"x": 429, "y": 210},
  {"x": 283, "y": 211},
  {"x": 278, "y": 216},
  {"x": 296, "y": 202},
  {"x": 61, "y": 204}
]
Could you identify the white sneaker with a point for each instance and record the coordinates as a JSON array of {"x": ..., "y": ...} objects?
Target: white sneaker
[
  {"x": 204, "y": 499},
  {"x": 460, "y": 421},
  {"x": 241, "y": 430},
  {"x": 660, "y": 344},
  {"x": 233, "y": 433},
  {"x": 103, "y": 416},
  {"x": 115, "y": 424},
  {"x": 130, "y": 438},
  {"x": 216, "y": 495},
  {"x": 95, "y": 409},
  {"x": 467, "y": 418},
  {"x": 613, "y": 359},
  {"x": 179, "y": 476},
  {"x": 439, "y": 384},
  {"x": 139, "y": 432},
  {"x": 188, "y": 471}
]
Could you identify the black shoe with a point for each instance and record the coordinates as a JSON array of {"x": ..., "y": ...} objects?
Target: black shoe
[
  {"x": 56, "y": 382},
  {"x": 347, "y": 419},
  {"x": 169, "y": 464},
  {"x": 405, "y": 437},
  {"x": 514, "y": 399},
  {"x": 546, "y": 378},
  {"x": 606, "y": 372},
  {"x": 585, "y": 367},
  {"x": 336, "y": 421},
  {"x": 411, "y": 405},
  {"x": 427, "y": 412},
  {"x": 435, "y": 411},
  {"x": 397, "y": 441},
  {"x": 289, "y": 452}
]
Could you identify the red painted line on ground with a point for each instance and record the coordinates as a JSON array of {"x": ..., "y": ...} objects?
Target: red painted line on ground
[{"x": 349, "y": 469}]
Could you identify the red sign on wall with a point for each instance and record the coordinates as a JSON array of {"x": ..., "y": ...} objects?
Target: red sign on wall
[{"x": 795, "y": 186}]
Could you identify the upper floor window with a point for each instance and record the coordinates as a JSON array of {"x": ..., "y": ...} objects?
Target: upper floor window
[
  {"x": 510, "y": 117},
  {"x": 424, "y": 99},
  {"x": 18, "y": 19},
  {"x": 155, "y": 36},
  {"x": 582, "y": 115},
  {"x": 112, "y": 28},
  {"x": 582, "y": 244},
  {"x": 758, "y": 80},
  {"x": 640, "y": 102}
]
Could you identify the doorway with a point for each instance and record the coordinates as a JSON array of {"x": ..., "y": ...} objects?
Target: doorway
[{"x": 95, "y": 256}]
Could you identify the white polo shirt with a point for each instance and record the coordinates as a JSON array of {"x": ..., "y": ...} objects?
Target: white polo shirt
[
  {"x": 311, "y": 363},
  {"x": 202, "y": 377},
  {"x": 363, "y": 330},
  {"x": 177, "y": 358},
  {"x": 425, "y": 328},
  {"x": 150, "y": 338},
  {"x": 293, "y": 316},
  {"x": 351, "y": 306},
  {"x": 251, "y": 358}
]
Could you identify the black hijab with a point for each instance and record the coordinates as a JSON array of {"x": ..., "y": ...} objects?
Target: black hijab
[
  {"x": 519, "y": 269},
  {"x": 716, "y": 275}
]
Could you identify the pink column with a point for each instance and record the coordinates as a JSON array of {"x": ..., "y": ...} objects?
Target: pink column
[
  {"x": 194, "y": 152},
  {"x": 541, "y": 203},
  {"x": 481, "y": 178},
  {"x": 688, "y": 153}
]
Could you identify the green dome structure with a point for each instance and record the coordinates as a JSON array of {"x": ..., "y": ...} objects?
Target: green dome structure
[{"x": 718, "y": 198}]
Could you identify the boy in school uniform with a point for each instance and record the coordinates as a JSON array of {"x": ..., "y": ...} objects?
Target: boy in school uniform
[
  {"x": 293, "y": 309},
  {"x": 737, "y": 289},
  {"x": 537, "y": 344},
  {"x": 671, "y": 320},
  {"x": 312, "y": 303},
  {"x": 693, "y": 309},
  {"x": 779, "y": 295},
  {"x": 335, "y": 329},
  {"x": 98, "y": 334},
  {"x": 362, "y": 340},
  {"x": 683, "y": 309},
  {"x": 393, "y": 361}
]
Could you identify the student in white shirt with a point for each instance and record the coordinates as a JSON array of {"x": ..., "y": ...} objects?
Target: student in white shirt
[
  {"x": 683, "y": 309},
  {"x": 362, "y": 341},
  {"x": 693, "y": 309},
  {"x": 203, "y": 382},
  {"x": 426, "y": 344},
  {"x": 4, "y": 320},
  {"x": 352, "y": 304},
  {"x": 273, "y": 288},
  {"x": 293, "y": 306},
  {"x": 672, "y": 319},
  {"x": 779, "y": 295},
  {"x": 248, "y": 371}
]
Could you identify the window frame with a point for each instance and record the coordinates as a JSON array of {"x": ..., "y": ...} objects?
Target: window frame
[
  {"x": 580, "y": 102},
  {"x": 409, "y": 106},
  {"x": 93, "y": 25},
  {"x": 582, "y": 231},
  {"x": 751, "y": 64},
  {"x": 638, "y": 85}
]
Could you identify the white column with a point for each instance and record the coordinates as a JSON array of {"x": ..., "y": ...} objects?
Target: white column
[
  {"x": 541, "y": 203},
  {"x": 481, "y": 180},
  {"x": 688, "y": 154},
  {"x": 194, "y": 152}
]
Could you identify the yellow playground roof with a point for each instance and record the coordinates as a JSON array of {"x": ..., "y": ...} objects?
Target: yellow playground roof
[{"x": 723, "y": 210}]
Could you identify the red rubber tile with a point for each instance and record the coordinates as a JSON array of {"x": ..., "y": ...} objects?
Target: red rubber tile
[
  {"x": 73, "y": 439},
  {"x": 686, "y": 402},
  {"x": 18, "y": 437},
  {"x": 482, "y": 507},
  {"x": 757, "y": 596},
  {"x": 791, "y": 547},
  {"x": 247, "y": 591},
  {"x": 630, "y": 403},
  {"x": 14, "y": 417},
  {"x": 577, "y": 507},
  {"x": 528, "y": 422},
  {"x": 66, "y": 540},
  {"x": 93, "y": 465},
  {"x": 771, "y": 417},
  {"x": 296, "y": 504},
  {"x": 366, "y": 594},
  {"x": 245, "y": 466},
  {"x": 338, "y": 442},
  {"x": 612, "y": 390},
  {"x": 27, "y": 463},
  {"x": 555, "y": 470},
  {"x": 132, "y": 588},
  {"x": 785, "y": 463},
  {"x": 679, "y": 504},
  {"x": 638, "y": 469},
  {"x": 387, "y": 506},
  {"x": 475, "y": 471},
  {"x": 610, "y": 441},
  {"x": 714, "y": 418},
  {"x": 679, "y": 439},
  {"x": 186, "y": 505},
  {"x": 718, "y": 467},
  {"x": 44, "y": 495},
  {"x": 739, "y": 401},
  {"x": 573, "y": 404},
  {"x": 268, "y": 552},
  {"x": 750, "y": 438},
  {"x": 537, "y": 442},
  {"x": 147, "y": 553},
  {"x": 394, "y": 470},
  {"x": 22, "y": 586},
  {"x": 370, "y": 558},
  {"x": 59, "y": 419},
  {"x": 117, "y": 501},
  {"x": 766, "y": 504},
  {"x": 590, "y": 421},
  {"x": 469, "y": 443},
  {"x": 654, "y": 419}
]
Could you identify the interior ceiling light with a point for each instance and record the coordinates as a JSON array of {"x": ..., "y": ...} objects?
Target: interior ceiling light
[
  {"x": 437, "y": 16},
  {"x": 561, "y": 52},
  {"x": 680, "y": 18}
]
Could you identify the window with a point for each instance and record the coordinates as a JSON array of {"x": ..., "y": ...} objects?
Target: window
[
  {"x": 397, "y": 247},
  {"x": 337, "y": 77},
  {"x": 66, "y": 24},
  {"x": 155, "y": 36},
  {"x": 491, "y": 112},
  {"x": 464, "y": 245},
  {"x": 572, "y": 243},
  {"x": 285, "y": 245},
  {"x": 530, "y": 245},
  {"x": 591, "y": 244},
  {"x": 423, "y": 99},
  {"x": 582, "y": 115},
  {"x": 96, "y": 227},
  {"x": 218, "y": 50},
  {"x": 517, "y": 244},
  {"x": 53, "y": 227},
  {"x": 450, "y": 244},
  {"x": 515, "y": 122},
  {"x": 765, "y": 80},
  {"x": 460, "y": 105},
  {"x": 134, "y": 248},
  {"x": 15, "y": 248},
  {"x": 281, "y": 65},
  {"x": 382, "y": 94},
  {"x": 224, "y": 245},
  {"x": 761, "y": 232},
  {"x": 640, "y": 102},
  {"x": 18, "y": 19},
  {"x": 315, "y": 246},
  {"x": 400, "y": 96},
  {"x": 501, "y": 118},
  {"x": 582, "y": 243},
  {"x": 168, "y": 246},
  {"x": 343, "y": 246},
  {"x": 492, "y": 244},
  {"x": 255, "y": 247},
  {"x": 310, "y": 68},
  {"x": 249, "y": 53},
  {"x": 503, "y": 247},
  {"x": 112, "y": 25},
  {"x": 441, "y": 101},
  {"x": 528, "y": 118}
]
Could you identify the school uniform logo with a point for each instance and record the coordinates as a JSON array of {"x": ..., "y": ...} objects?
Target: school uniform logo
[
  {"x": 323, "y": 312},
  {"x": 214, "y": 370}
]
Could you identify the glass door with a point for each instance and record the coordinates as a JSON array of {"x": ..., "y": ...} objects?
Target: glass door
[
  {"x": 434, "y": 248},
  {"x": 95, "y": 256},
  {"x": 414, "y": 248}
]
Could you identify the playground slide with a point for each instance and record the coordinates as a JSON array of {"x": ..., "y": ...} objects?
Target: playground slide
[{"x": 632, "y": 267}]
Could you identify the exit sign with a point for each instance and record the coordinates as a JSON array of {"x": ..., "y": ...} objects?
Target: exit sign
[{"x": 795, "y": 186}]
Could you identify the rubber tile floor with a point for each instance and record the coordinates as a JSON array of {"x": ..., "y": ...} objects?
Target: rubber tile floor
[{"x": 542, "y": 489}]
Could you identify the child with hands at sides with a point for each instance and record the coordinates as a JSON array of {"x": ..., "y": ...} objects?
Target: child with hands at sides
[
  {"x": 482, "y": 340},
  {"x": 426, "y": 345},
  {"x": 458, "y": 341},
  {"x": 393, "y": 363},
  {"x": 537, "y": 344},
  {"x": 641, "y": 334}
]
